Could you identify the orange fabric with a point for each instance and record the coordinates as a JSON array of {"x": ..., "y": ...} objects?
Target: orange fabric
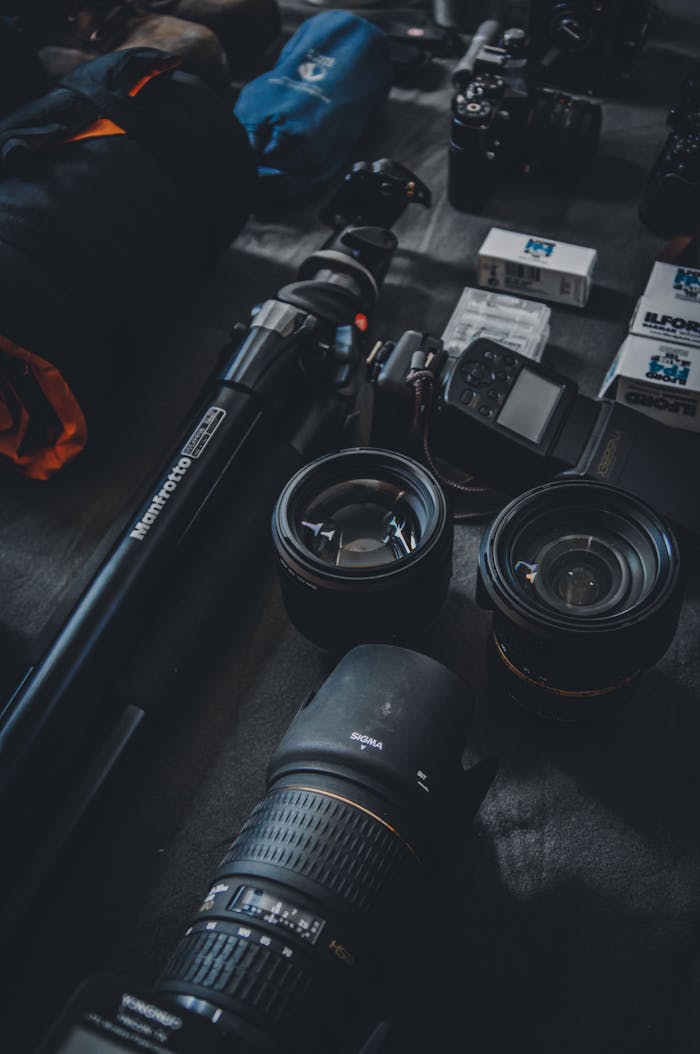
[
  {"x": 34, "y": 454},
  {"x": 60, "y": 444},
  {"x": 165, "y": 68},
  {"x": 103, "y": 126}
]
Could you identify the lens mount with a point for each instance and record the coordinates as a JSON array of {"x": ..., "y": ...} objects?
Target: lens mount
[
  {"x": 364, "y": 542},
  {"x": 584, "y": 582}
]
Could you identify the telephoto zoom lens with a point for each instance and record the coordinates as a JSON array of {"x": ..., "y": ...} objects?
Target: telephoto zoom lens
[
  {"x": 364, "y": 543},
  {"x": 314, "y": 905},
  {"x": 585, "y": 586}
]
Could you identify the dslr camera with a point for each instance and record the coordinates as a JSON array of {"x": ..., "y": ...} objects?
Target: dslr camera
[
  {"x": 503, "y": 121},
  {"x": 670, "y": 205},
  {"x": 588, "y": 45}
]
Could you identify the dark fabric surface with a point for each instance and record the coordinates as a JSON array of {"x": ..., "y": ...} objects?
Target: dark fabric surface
[{"x": 568, "y": 917}]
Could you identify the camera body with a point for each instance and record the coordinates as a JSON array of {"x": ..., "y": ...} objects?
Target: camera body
[
  {"x": 670, "y": 205},
  {"x": 588, "y": 45},
  {"x": 516, "y": 424},
  {"x": 503, "y": 122}
]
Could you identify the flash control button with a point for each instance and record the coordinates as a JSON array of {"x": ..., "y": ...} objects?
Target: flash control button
[{"x": 477, "y": 374}]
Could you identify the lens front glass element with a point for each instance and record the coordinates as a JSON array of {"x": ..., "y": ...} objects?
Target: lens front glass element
[
  {"x": 585, "y": 566},
  {"x": 361, "y": 523},
  {"x": 364, "y": 542},
  {"x": 584, "y": 583}
]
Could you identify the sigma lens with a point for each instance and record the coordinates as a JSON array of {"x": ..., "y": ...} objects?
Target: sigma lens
[
  {"x": 585, "y": 587},
  {"x": 364, "y": 543},
  {"x": 313, "y": 906}
]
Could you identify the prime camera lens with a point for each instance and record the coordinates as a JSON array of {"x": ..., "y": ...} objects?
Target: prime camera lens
[
  {"x": 584, "y": 583},
  {"x": 314, "y": 904},
  {"x": 364, "y": 543}
]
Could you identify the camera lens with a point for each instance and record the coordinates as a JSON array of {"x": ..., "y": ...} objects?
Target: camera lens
[
  {"x": 364, "y": 545},
  {"x": 311, "y": 908},
  {"x": 584, "y": 582},
  {"x": 580, "y": 572},
  {"x": 360, "y": 523},
  {"x": 563, "y": 136}
]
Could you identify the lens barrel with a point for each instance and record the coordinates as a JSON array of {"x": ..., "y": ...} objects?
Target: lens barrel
[
  {"x": 310, "y": 909},
  {"x": 563, "y": 136},
  {"x": 364, "y": 544},
  {"x": 585, "y": 586}
]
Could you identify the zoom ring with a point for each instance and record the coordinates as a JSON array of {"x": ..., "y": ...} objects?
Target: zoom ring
[
  {"x": 276, "y": 992},
  {"x": 344, "y": 850}
]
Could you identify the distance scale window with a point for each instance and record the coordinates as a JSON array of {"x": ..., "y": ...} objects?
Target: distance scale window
[{"x": 259, "y": 904}]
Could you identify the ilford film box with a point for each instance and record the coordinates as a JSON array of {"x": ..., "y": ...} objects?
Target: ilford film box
[
  {"x": 659, "y": 378},
  {"x": 669, "y": 308},
  {"x": 672, "y": 282},
  {"x": 531, "y": 266}
]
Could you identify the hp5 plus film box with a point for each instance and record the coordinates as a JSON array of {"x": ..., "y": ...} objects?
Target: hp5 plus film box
[
  {"x": 532, "y": 266},
  {"x": 659, "y": 378}
]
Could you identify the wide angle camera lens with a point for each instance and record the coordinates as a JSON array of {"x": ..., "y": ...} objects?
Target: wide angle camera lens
[
  {"x": 364, "y": 543},
  {"x": 585, "y": 587}
]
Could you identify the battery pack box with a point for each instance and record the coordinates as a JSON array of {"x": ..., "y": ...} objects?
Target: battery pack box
[
  {"x": 521, "y": 325},
  {"x": 529, "y": 265},
  {"x": 659, "y": 378}
]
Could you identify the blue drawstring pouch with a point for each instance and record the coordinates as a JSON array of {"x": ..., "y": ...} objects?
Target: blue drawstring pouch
[{"x": 304, "y": 117}]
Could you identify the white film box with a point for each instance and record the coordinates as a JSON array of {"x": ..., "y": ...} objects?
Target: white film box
[
  {"x": 674, "y": 282},
  {"x": 669, "y": 308},
  {"x": 532, "y": 266},
  {"x": 657, "y": 369},
  {"x": 659, "y": 378}
]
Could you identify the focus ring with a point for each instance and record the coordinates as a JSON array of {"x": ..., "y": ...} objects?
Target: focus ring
[
  {"x": 276, "y": 991},
  {"x": 346, "y": 851}
]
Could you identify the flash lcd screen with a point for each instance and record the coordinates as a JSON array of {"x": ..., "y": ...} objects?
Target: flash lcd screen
[
  {"x": 82, "y": 1042},
  {"x": 529, "y": 406}
]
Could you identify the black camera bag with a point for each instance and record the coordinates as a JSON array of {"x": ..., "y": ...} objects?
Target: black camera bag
[{"x": 117, "y": 189}]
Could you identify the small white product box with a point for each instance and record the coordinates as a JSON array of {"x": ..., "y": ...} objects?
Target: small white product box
[
  {"x": 659, "y": 378},
  {"x": 521, "y": 325},
  {"x": 673, "y": 282},
  {"x": 529, "y": 265},
  {"x": 662, "y": 315}
]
